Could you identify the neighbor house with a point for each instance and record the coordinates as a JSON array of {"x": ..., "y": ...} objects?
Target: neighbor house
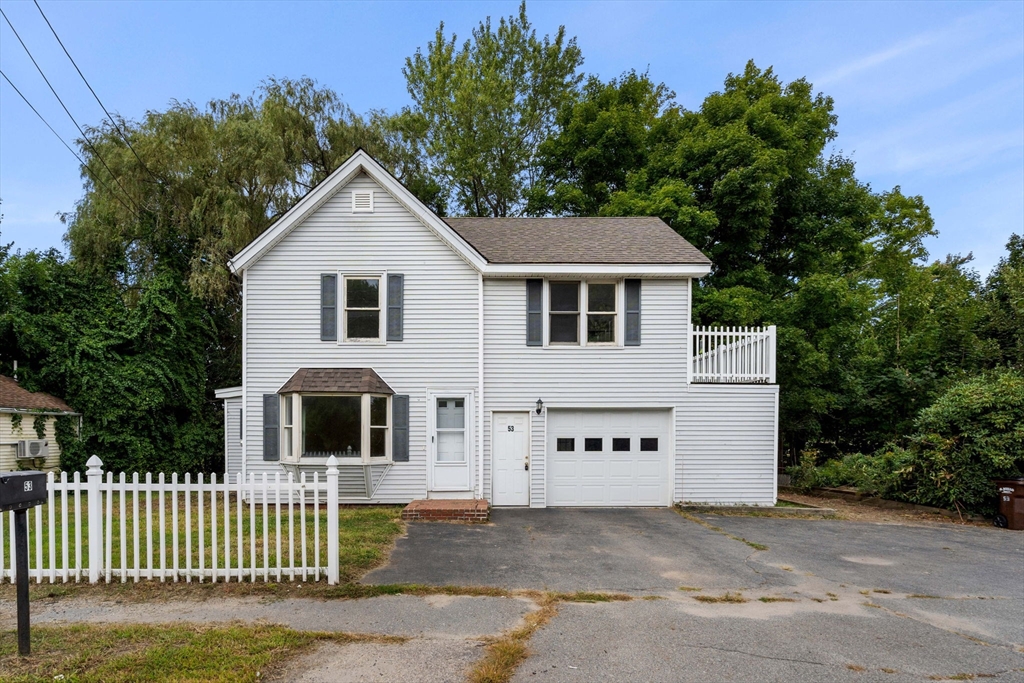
[
  {"x": 28, "y": 423},
  {"x": 531, "y": 362}
]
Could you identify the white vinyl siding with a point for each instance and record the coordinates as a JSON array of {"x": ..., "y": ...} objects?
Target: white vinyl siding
[
  {"x": 515, "y": 376},
  {"x": 727, "y": 444},
  {"x": 232, "y": 435},
  {"x": 282, "y": 318}
]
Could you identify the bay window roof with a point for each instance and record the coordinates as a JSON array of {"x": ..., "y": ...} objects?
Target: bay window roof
[{"x": 336, "y": 381}]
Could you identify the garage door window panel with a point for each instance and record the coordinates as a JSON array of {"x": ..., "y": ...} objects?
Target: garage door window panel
[
  {"x": 565, "y": 445},
  {"x": 593, "y": 445},
  {"x": 649, "y": 444},
  {"x": 620, "y": 445}
]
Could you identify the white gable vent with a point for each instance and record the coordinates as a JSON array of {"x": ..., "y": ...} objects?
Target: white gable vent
[{"x": 362, "y": 202}]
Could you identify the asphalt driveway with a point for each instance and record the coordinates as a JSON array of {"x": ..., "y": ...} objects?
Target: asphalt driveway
[
  {"x": 817, "y": 599},
  {"x": 634, "y": 550}
]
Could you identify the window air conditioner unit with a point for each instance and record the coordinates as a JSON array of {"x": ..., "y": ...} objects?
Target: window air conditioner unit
[{"x": 37, "y": 448}]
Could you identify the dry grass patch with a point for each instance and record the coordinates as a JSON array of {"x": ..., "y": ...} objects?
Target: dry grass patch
[
  {"x": 771, "y": 598},
  {"x": 733, "y": 598},
  {"x": 505, "y": 654},
  {"x": 855, "y": 667},
  {"x": 182, "y": 652},
  {"x": 924, "y": 596}
]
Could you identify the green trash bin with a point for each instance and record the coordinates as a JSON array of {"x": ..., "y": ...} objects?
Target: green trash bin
[{"x": 1011, "y": 504}]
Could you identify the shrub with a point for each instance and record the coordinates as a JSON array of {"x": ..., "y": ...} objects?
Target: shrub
[{"x": 973, "y": 433}]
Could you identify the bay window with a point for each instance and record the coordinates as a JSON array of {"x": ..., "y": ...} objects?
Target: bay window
[{"x": 355, "y": 428}]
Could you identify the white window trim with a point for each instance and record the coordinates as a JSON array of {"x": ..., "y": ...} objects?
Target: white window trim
[
  {"x": 382, "y": 291},
  {"x": 296, "y": 458},
  {"x": 354, "y": 209},
  {"x": 620, "y": 303}
]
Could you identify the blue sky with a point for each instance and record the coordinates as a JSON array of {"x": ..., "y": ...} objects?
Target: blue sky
[{"x": 930, "y": 95}]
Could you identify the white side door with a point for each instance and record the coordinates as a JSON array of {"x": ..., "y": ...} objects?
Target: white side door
[
  {"x": 511, "y": 459},
  {"x": 450, "y": 452}
]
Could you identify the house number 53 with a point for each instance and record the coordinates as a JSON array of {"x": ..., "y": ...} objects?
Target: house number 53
[{"x": 511, "y": 428}]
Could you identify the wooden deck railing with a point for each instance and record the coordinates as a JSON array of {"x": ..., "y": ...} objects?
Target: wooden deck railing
[{"x": 733, "y": 354}]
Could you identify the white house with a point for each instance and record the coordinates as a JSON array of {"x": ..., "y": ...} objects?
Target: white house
[{"x": 532, "y": 362}]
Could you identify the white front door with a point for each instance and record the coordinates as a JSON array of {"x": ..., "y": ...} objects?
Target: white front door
[
  {"x": 450, "y": 460},
  {"x": 511, "y": 459}
]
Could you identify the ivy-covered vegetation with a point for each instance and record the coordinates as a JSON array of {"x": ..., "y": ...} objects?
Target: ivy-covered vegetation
[{"x": 880, "y": 345}]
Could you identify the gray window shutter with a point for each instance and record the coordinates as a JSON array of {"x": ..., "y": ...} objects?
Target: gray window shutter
[
  {"x": 632, "y": 313},
  {"x": 400, "y": 428},
  {"x": 396, "y": 306},
  {"x": 328, "y": 308},
  {"x": 271, "y": 439},
  {"x": 534, "y": 312}
]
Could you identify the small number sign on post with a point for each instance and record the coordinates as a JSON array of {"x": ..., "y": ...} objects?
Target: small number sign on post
[{"x": 20, "y": 491}]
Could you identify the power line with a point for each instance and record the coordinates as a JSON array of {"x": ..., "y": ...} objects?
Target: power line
[
  {"x": 88, "y": 85},
  {"x": 70, "y": 149},
  {"x": 68, "y": 112}
]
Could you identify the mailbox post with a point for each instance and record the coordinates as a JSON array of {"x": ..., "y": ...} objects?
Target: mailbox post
[{"x": 20, "y": 491}]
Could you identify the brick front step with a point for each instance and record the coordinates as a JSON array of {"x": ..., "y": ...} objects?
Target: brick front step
[{"x": 447, "y": 511}]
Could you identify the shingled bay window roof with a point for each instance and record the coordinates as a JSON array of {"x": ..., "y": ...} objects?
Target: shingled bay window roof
[{"x": 336, "y": 381}]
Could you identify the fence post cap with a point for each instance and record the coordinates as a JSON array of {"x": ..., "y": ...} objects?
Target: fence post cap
[
  {"x": 94, "y": 463},
  {"x": 332, "y": 464}
]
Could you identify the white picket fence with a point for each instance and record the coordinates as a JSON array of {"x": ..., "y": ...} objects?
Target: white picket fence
[
  {"x": 733, "y": 354},
  {"x": 179, "y": 529}
]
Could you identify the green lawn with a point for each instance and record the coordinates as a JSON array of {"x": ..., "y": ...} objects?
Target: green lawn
[
  {"x": 365, "y": 534},
  {"x": 114, "y": 654}
]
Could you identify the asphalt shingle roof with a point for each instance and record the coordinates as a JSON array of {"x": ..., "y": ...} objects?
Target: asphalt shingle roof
[
  {"x": 336, "y": 380},
  {"x": 13, "y": 395},
  {"x": 627, "y": 240}
]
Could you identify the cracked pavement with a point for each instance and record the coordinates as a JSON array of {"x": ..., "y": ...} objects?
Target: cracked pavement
[
  {"x": 825, "y": 600},
  {"x": 847, "y": 600}
]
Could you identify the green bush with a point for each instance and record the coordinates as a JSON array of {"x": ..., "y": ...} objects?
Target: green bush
[{"x": 973, "y": 433}]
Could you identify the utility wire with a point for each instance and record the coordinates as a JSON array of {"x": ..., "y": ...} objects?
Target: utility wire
[
  {"x": 70, "y": 148},
  {"x": 68, "y": 112},
  {"x": 88, "y": 85}
]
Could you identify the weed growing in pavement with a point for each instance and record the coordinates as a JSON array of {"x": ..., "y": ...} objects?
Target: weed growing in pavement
[{"x": 734, "y": 598}]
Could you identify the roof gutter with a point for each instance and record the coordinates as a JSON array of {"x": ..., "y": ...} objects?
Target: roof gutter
[{"x": 689, "y": 270}]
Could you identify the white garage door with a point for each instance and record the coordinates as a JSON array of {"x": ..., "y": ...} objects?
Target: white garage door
[{"x": 608, "y": 457}]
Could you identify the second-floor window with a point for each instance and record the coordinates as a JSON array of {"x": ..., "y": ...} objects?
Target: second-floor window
[
  {"x": 362, "y": 309},
  {"x": 564, "y": 324},
  {"x": 579, "y": 308},
  {"x": 601, "y": 298}
]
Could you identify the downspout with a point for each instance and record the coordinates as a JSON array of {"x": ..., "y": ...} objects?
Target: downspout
[{"x": 480, "y": 388}]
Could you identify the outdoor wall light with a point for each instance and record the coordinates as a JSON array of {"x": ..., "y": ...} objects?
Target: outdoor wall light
[{"x": 540, "y": 406}]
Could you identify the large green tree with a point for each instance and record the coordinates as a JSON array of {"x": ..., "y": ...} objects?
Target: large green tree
[
  {"x": 795, "y": 238},
  {"x": 485, "y": 107}
]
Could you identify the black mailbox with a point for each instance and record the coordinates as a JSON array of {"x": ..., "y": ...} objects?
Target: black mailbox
[{"x": 22, "y": 490}]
